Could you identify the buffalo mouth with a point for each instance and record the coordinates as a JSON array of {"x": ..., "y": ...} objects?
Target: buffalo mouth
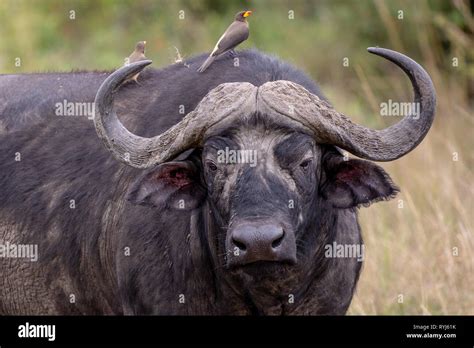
[
  {"x": 265, "y": 268},
  {"x": 265, "y": 264}
]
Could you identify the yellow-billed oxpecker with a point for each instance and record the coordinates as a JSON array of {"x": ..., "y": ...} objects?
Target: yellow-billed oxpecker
[{"x": 236, "y": 33}]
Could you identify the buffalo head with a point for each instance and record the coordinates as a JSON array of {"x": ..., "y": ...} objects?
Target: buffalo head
[{"x": 265, "y": 162}]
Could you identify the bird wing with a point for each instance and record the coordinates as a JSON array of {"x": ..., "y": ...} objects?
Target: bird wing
[{"x": 234, "y": 35}]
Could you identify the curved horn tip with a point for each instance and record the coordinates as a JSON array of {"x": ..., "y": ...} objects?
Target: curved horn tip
[
  {"x": 113, "y": 81},
  {"x": 378, "y": 50},
  {"x": 140, "y": 65},
  {"x": 132, "y": 68},
  {"x": 142, "y": 62}
]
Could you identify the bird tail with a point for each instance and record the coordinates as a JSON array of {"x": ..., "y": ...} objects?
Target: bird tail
[{"x": 206, "y": 64}]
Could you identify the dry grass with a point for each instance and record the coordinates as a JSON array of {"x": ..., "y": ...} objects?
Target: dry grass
[
  {"x": 420, "y": 245},
  {"x": 410, "y": 250}
]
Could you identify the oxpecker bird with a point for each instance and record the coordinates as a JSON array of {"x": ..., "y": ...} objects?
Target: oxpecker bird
[
  {"x": 236, "y": 33},
  {"x": 137, "y": 55}
]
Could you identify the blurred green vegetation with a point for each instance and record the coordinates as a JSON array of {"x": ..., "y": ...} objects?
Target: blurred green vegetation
[
  {"x": 437, "y": 33},
  {"x": 98, "y": 35}
]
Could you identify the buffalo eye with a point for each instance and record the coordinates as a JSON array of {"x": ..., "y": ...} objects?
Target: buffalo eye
[
  {"x": 211, "y": 165},
  {"x": 305, "y": 164}
]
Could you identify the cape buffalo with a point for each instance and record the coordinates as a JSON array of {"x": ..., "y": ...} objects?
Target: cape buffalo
[{"x": 216, "y": 193}]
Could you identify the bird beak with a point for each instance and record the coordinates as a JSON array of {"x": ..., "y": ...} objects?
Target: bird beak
[{"x": 247, "y": 13}]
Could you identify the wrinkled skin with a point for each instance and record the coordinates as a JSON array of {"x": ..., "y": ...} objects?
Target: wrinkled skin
[
  {"x": 129, "y": 247},
  {"x": 291, "y": 167}
]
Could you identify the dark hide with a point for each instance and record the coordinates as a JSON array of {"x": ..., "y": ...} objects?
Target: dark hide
[{"x": 117, "y": 239}]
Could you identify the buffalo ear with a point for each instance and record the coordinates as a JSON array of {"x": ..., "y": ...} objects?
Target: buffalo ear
[
  {"x": 353, "y": 182},
  {"x": 171, "y": 185}
]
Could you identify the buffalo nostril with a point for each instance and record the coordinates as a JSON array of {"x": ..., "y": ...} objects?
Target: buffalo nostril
[
  {"x": 276, "y": 243},
  {"x": 239, "y": 245},
  {"x": 260, "y": 241}
]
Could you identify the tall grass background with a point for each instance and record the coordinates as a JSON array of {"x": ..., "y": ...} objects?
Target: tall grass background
[{"x": 419, "y": 247}]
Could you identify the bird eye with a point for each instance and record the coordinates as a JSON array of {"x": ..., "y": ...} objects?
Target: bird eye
[
  {"x": 212, "y": 166},
  {"x": 305, "y": 164}
]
